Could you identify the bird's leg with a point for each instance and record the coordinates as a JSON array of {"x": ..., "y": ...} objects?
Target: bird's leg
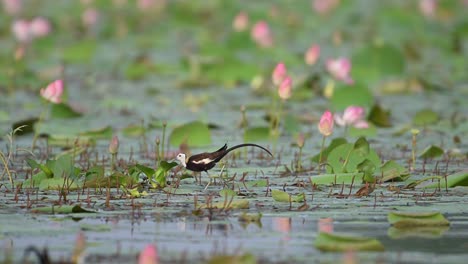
[{"x": 219, "y": 176}]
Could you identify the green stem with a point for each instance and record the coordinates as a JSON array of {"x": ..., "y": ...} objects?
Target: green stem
[
  {"x": 299, "y": 159},
  {"x": 163, "y": 140},
  {"x": 38, "y": 124},
  {"x": 321, "y": 151}
]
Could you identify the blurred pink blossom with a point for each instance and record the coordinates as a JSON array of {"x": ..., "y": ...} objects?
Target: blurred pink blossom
[
  {"x": 114, "y": 145},
  {"x": 312, "y": 54},
  {"x": 323, "y": 7},
  {"x": 428, "y": 7},
  {"x": 340, "y": 69},
  {"x": 285, "y": 88},
  {"x": 90, "y": 17},
  {"x": 261, "y": 34},
  {"x": 53, "y": 92},
  {"x": 86, "y": 2},
  {"x": 279, "y": 73},
  {"x": 149, "y": 255},
  {"x": 21, "y": 30},
  {"x": 352, "y": 116},
  {"x": 240, "y": 22},
  {"x": 12, "y": 7},
  {"x": 40, "y": 27},
  {"x": 325, "y": 126}
]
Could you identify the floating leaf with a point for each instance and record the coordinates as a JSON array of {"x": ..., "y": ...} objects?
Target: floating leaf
[
  {"x": 134, "y": 130},
  {"x": 370, "y": 131},
  {"x": 431, "y": 152},
  {"x": 64, "y": 209},
  {"x": 412, "y": 219},
  {"x": 367, "y": 167},
  {"x": 333, "y": 144},
  {"x": 256, "y": 134},
  {"x": 392, "y": 171},
  {"x": 373, "y": 63},
  {"x": 457, "y": 179},
  {"x": 361, "y": 147},
  {"x": 63, "y": 110},
  {"x": 344, "y": 243},
  {"x": 425, "y": 117},
  {"x": 247, "y": 258},
  {"x": 337, "y": 178},
  {"x": 285, "y": 197},
  {"x": 345, "y": 159},
  {"x": 80, "y": 52},
  {"x": 379, "y": 117},
  {"x": 227, "y": 193},
  {"x": 195, "y": 134},
  {"x": 356, "y": 94},
  {"x": 95, "y": 228}
]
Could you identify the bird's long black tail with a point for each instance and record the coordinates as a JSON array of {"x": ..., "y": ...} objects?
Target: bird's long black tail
[{"x": 240, "y": 146}]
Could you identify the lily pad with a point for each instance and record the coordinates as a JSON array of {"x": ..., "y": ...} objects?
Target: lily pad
[
  {"x": 195, "y": 134},
  {"x": 411, "y": 219},
  {"x": 431, "y": 152},
  {"x": 345, "y": 242},
  {"x": 425, "y": 117},
  {"x": 64, "y": 209},
  {"x": 392, "y": 171},
  {"x": 338, "y": 178},
  {"x": 457, "y": 179},
  {"x": 255, "y": 134},
  {"x": 285, "y": 197}
]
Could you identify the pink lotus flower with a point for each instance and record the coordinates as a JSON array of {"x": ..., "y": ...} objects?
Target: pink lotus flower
[
  {"x": 312, "y": 54},
  {"x": 241, "y": 22},
  {"x": 149, "y": 255},
  {"x": 53, "y": 92},
  {"x": 340, "y": 69},
  {"x": 323, "y": 7},
  {"x": 114, "y": 145},
  {"x": 21, "y": 30},
  {"x": 325, "y": 125},
  {"x": 90, "y": 17},
  {"x": 279, "y": 73},
  {"x": 352, "y": 116},
  {"x": 325, "y": 225},
  {"x": 40, "y": 27},
  {"x": 12, "y": 7},
  {"x": 284, "y": 90},
  {"x": 261, "y": 34},
  {"x": 428, "y": 7}
]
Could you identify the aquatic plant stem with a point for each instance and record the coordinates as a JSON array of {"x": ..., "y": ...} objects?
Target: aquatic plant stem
[
  {"x": 299, "y": 159},
  {"x": 38, "y": 123},
  {"x": 163, "y": 139},
  {"x": 414, "y": 132},
  {"x": 321, "y": 152},
  {"x": 157, "y": 154}
]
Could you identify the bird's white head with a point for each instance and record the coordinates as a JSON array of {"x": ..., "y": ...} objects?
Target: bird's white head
[{"x": 181, "y": 157}]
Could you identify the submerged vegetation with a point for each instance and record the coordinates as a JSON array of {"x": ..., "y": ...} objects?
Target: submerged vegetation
[{"x": 362, "y": 104}]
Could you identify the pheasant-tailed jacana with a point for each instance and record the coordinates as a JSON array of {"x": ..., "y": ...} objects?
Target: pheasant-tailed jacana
[{"x": 207, "y": 160}]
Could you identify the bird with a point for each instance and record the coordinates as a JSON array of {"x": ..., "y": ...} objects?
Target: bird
[{"x": 207, "y": 160}]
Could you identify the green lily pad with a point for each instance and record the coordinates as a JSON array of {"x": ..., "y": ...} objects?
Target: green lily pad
[
  {"x": 337, "y": 178},
  {"x": 63, "y": 110},
  {"x": 228, "y": 204},
  {"x": 333, "y": 144},
  {"x": 379, "y": 117},
  {"x": 195, "y": 134},
  {"x": 357, "y": 94},
  {"x": 411, "y": 219},
  {"x": 417, "y": 231},
  {"x": 425, "y": 117},
  {"x": 431, "y": 152},
  {"x": 285, "y": 197},
  {"x": 64, "y": 209},
  {"x": 392, "y": 171},
  {"x": 457, "y": 179},
  {"x": 344, "y": 242},
  {"x": 255, "y": 134}
]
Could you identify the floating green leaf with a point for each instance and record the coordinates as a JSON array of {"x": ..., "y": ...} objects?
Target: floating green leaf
[
  {"x": 80, "y": 52},
  {"x": 431, "y": 152},
  {"x": 412, "y": 219},
  {"x": 228, "y": 204},
  {"x": 161, "y": 172},
  {"x": 345, "y": 158},
  {"x": 64, "y": 209},
  {"x": 134, "y": 130},
  {"x": 338, "y": 178},
  {"x": 392, "y": 171},
  {"x": 63, "y": 110},
  {"x": 425, "y": 117},
  {"x": 457, "y": 179},
  {"x": 256, "y": 134},
  {"x": 379, "y": 117},
  {"x": 333, "y": 144},
  {"x": 356, "y": 94},
  {"x": 195, "y": 134},
  {"x": 344, "y": 242},
  {"x": 367, "y": 167},
  {"x": 373, "y": 63},
  {"x": 245, "y": 217},
  {"x": 285, "y": 197},
  {"x": 417, "y": 231},
  {"x": 247, "y": 258}
]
